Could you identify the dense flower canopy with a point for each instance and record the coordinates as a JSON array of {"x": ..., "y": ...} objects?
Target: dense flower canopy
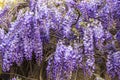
[{"x": 82, "y": 30}]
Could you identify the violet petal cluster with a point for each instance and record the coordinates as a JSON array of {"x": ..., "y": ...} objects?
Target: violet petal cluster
[
  {"x": 113, "y": 64},
  {"x": 64, "y": 62}
]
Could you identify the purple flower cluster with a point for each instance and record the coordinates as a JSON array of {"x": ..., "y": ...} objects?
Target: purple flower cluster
[
  {"x": 11, "y": 47},
  {"x": 113, "y": 64},
  {"x": 64, "y": 62},
  {"x": 88, "y": 43},
  {"x": 99, "y": 34},
  {"x": 21, "y": 41},
  {"x": 87, "y": 22}
]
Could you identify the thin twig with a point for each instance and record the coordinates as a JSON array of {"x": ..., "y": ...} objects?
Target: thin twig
[
  {"x": 49, "y": 57},
  {"x": 76, "y": 75}
]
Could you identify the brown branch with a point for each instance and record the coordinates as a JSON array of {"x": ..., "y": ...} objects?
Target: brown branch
[{"x": 49, "y": 57}]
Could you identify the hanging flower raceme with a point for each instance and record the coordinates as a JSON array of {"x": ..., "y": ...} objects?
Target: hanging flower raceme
[
  {"x": 99, "y": 34},
  {"x": 41, "y": 12},
  {"x": 37, "y": 42},
  {"x": 28, "y": 36},
  {"x": 13, "y": 53},
  {"x": 113, "y": 64},
  {"x": 69, "y": 19},
  {"x": 12, "y": 46},
  {"x": 88, "y": 43},
  {"x": 32, "y": 38},
  {"x": 60, "y": 66},
  {"x": 21, "y": 41},
  {"x": 89, "y": 8},
  {"x": 58, "y": 18},
  {"x": 78, "y": 50}
]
